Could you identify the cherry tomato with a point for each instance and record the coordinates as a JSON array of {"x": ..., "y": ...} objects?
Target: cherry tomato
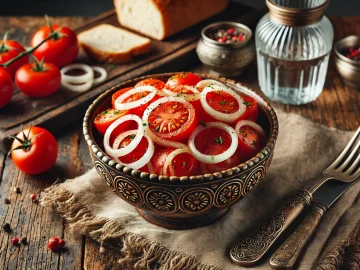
[
  {"x": 6, "y": 87},
  {"x": 250, "y": 142},
  {"x": 137, "y": 153},
  {"x": 38, "y": 151},
  {"x": 175, "y": 82},
  {"x": 183, "y": 164},
  {"x": 252, "y": 108},
  {"x": 152, "y": 82},
  {"x": 104, "y": 119},
  {"x": 38, "y": 80},
  {"x": 61, "y": 50},
  {"x": 173, "y": 120},
  {"x": 9, "y": 50},
  {"x": 214, "y": 141}
]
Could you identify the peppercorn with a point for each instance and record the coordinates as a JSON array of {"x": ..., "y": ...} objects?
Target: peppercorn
[
  {"x": 33, "y": 197},
  {"x": 229, "y": 35},
  {"x": 17, "y": 190},
  {"x": 54, "y": 244},
  {"x": 23, "y": 240},
  {"x": 15, "y": 241},
  {"x": 6, "y": 201},
  {"x": 62, "y": 243},
  {"x": 7, "y": 227}
]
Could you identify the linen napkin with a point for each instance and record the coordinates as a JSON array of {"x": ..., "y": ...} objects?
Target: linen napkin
[{"x": 303, "y": 150}]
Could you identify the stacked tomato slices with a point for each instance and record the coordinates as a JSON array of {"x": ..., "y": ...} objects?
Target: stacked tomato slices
[{"x": 186, "y": 126}]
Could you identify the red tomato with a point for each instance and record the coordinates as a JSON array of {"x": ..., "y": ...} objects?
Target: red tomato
[
  {"x": 152, "y": 82},
  {"x": 60, "y": 51},
  {"x": 252, "y": 108},
  {"x": 184, "y": 164},
  {"x": 214, "y": 141},
  {"x": 6, "y": 87},
  {"x": 250, "y": 142},
  {"x": 38, "y": 152},
  {"x": 137, "y": 153},
  {"x": 38, "y": 82},
  {"x": 8, "y": 51},
  {"x": 138, "y": 110},
  {"x": 175, "y": 82},
  {"x": 172, "y": 120},
  {"x": 104, "y": 119}
]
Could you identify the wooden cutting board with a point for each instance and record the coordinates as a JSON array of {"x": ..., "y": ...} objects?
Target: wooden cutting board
[{"x": 64, "y": 107}]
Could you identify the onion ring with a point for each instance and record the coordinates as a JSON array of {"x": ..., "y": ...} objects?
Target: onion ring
[
  {"x": 84, "y": 78},
  {"x": 145, "y": 118},
  {"x": 224, "y": 117},
  {"x": 188, "y": 97},
  {"x": 217, "y": 158},
  {"x": 251, "y": 124},
  {"x": 77, "y": 87},
  {"x": 134, "y": 143},
  {"x": 103, "y": 74},
  {"x": 145, "y": 159},
  {"x": 204, "y": 83},
  {"x": 170, "y": 158},
  {"x": 136, "y": 103}
]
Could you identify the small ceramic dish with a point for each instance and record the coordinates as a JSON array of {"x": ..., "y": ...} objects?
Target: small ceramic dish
[
  {"x": 181, "y": 202},
  {"x": 226, "y": 59},
  {"x": 348, "y": 69}
]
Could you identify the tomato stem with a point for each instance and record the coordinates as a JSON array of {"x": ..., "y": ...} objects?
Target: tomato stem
[
  {"x": 29, "y": 51},
  {"x": 39, "y": 66},
  {"x": 26, "y": 142},
  {"x": 3, "y": 47}
]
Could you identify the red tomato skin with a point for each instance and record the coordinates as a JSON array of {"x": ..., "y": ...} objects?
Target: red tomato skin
[
  {"x": 38, "y": 84},
  {"x": 14, "y": 49},
  {"x": 6, "y": 87},
  {"x": 252, "y": 109},
  {"x": 246, "y": 151},
  {"x": 178, "y": 80},
  {"x": 60, "y": 52},
  {"x": 42, "y": 154}
]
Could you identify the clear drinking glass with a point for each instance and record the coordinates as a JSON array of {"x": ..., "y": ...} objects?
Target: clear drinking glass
[{"x": 293, "y": 44}]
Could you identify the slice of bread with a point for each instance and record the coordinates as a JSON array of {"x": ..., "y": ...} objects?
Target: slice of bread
[{"x": 110, "y": 44}]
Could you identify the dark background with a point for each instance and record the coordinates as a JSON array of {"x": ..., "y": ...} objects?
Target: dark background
[{"x": 95, "y": 7}]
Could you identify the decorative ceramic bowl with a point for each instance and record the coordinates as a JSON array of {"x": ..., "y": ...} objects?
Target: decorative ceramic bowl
[
  {"x": 348, "y": 69},
  {"x": 226, "y": 59},
  {"x": 181, "y": 202}
]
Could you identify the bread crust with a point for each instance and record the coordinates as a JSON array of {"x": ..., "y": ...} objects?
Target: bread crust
[{"x": 178, "y": 15}]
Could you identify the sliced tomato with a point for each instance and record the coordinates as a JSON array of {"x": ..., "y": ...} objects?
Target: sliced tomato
[
  {"x": 173, "y": 120},
  {"x": 137, "y": 153},
  {"x": 138, "y": 110},
  {"x": 252, "y": 108},
  {"x": 183, "y": 164},
  {"x": 152, "y": 82},
  {"x": 104, "y": 119},
  {"x": 214, "y": 141},
  {"x": 250, "y": 142},
  {"x": 175, "y": 82}
]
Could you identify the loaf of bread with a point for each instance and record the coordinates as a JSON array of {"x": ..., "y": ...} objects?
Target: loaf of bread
[
  {"x": 110, "y": 44},
  {"x": 160, "y": 19}
]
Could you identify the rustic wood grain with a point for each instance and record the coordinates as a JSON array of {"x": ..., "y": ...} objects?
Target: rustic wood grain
[
  {"x": 24, "y": 110},
  {"x": 338, "y": 106}
]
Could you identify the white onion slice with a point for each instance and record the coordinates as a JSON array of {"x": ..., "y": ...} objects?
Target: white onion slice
[
  {"x": 170, "y": 158},
  {"x": 217, "y": 158},
  {"x": 224, "y": 117},
  {"x": 136, "y": 103},
  {"x": 78, "y": 79},
  {"x": 204, "y": 83},
  {"x": 188, "y": 97},
  {"x": 145, "y": 159},
  {"x": 251, "y": 124},
  {"x": 103, "y": 74},
  {"x": 129, "y": 148},
  {"x": 145, "y": 118},
  {"x": 77, "y": 87}
]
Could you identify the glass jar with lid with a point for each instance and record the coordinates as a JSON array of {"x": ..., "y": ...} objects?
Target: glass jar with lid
[{"x": 293, "y": 45}]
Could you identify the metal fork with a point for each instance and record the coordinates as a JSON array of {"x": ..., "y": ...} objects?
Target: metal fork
[{"x": 344, "y": 169}]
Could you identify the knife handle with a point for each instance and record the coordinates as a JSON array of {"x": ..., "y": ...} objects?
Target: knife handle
[
  {"x": 252, "y": 249},
  {"x": 285, "y": 257}
]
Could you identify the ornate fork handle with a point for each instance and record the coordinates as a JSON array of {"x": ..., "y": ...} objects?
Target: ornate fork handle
[
  {"x": 252, "y": 249},
  {"x": 286, "y": 256}
]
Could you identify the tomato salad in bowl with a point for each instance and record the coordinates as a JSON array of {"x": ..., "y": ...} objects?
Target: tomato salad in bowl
[{"x": 184, "y": 126}]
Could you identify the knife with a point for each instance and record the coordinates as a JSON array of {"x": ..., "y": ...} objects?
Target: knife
[{"x": 286, "y": 255}]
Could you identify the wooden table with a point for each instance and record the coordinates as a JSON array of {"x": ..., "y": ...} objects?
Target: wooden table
[{"x": 338, "y": 106}]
